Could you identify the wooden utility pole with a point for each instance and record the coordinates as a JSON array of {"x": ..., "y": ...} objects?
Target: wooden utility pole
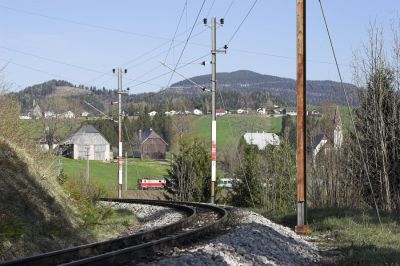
[{"x": 302, "y": 227}]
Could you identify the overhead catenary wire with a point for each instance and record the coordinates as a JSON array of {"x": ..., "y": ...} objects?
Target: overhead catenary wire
[
  {"x": 176, "y": 30},
  {"x": 351, "y": 113},
  {"x": 241, "y": 23},
  {"x": 187, "y": 40}
]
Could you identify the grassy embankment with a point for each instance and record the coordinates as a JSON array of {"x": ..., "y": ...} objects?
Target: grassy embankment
[
  {"x": 231, "y": 127},
  {"x": 38, "y": 214},
  {"x": 357, "y": 234}
]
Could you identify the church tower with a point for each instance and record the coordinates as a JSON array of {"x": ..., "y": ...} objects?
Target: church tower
[{"x": 337, "y": 129}]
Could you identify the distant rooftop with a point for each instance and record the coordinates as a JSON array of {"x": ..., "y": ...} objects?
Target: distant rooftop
[{"x": 261, "y": 139}]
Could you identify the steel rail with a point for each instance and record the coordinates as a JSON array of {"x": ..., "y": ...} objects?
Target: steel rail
[
  {"x": 75, "y": 253},
  {"x": 134, "y": 254}
]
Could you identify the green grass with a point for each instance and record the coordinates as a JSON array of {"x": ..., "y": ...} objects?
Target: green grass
[
  {"x": 35, "y": 127},
  {"x": 231, "y": 127},
  {"x": 106, "y": 173},
  {"x": 356, "y": 233}
]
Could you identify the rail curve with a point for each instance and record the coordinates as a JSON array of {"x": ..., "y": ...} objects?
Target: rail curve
[{"x": 199, "y": 221}]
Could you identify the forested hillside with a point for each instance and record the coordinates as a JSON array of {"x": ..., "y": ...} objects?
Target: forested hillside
[{"x": 239, "y": 89}]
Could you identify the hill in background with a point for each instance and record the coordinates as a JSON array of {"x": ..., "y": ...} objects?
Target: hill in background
[
  {"x": 239, "y": 89},
  {"x": 284, "y": 89}
]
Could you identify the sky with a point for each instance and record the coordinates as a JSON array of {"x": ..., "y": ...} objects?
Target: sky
[{"x": 82, "y": 41}]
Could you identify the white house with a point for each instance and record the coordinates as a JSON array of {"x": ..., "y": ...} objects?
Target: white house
[
  {"x": 50, "y": 114},
  {"x": 37, "y": 111},
  {"x": 84, "y": 114},
  {"x": 197, "y": 112},
  {"x": 171, "y": 113},
  {"x": 25, "y": 117},
  {"x": 292, "y": 111},
  {"x": 318, "y": 143},
  {"x": 68, "y": 115},
  {"x": 152, "y": 113},
  {"x": 87, "y": 142},
  {"x": 261, "y": 139},
  {"x": 261, "y": 110}
]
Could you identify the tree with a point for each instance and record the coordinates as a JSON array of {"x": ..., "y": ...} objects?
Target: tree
[
  {"x": 377, "y": 125},
  {"x": 246, "y": 188},
  {"x": 190, "y": 170}
]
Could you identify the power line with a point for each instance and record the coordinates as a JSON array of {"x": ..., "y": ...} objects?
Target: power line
[
  {"x": 187, "y": 40},
  {"x": 351, "y": 114},
  {"x": 241, "y": 23},
  {"x": 90, "y": 25}
]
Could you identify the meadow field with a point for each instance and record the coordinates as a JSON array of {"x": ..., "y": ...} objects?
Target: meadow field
[
  {"x": 106, "y": 173},
  {"x": 230, "y": 128}
]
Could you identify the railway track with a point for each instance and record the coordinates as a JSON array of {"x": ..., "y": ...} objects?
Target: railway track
[{"x": 200, "y": 220}]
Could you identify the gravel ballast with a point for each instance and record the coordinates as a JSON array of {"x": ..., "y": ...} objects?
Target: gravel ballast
[
  {"x": 149, "y": 216},
  {"x": 251, "y": 240},
  {"x": 254, "y": 241}
]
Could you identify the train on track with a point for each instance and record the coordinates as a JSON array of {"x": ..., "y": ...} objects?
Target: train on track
[{"x": 148, "y": 183}]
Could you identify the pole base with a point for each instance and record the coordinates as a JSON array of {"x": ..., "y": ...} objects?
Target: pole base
[{"x": 302, "y": 229}]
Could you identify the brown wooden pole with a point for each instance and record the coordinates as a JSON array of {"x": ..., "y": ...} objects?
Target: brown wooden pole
[{"x": 301, "y": 227}]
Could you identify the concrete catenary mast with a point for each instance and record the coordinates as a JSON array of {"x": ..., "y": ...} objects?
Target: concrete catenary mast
[{"x": 119, "y": 73}]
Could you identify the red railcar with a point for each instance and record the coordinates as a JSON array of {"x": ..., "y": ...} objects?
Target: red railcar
[{"x": 145, "y": 183}]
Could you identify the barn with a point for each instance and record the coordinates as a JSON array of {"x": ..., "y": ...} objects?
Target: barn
[
  {"x": 149, "y": 145},
  {"x": 86, "y": 141}
]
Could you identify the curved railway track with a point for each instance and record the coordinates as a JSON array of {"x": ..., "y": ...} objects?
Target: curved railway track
[{"x": 201, "y": 219}]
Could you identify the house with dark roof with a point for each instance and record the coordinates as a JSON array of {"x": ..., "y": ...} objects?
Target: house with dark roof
[
  {"x": 319, "y": 142},
  {"x": 149, "y": 145},
  {"x": 86, "y": 142}
]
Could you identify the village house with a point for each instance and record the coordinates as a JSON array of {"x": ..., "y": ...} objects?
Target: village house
[
  {"x": 220, "y": 112},
  {"x": 322, "y": 141},
  {"x": 86, "y": 142},
  {"x": 67, "y": 115},
  {"x": 292, "y": 111},
  {"x": 197, "y": 112},
  {"x": 36, "y": 112},
  {"x": 84, "y": 114},
  {"x": 50, "y": 114},
  {"x": 241, "y": 111},
  {"x": 152, "y": 113},
  {"x": 261, "y": 111},
  {"x": 261, "y": 139},
  {"x": 149, "y": 145}
]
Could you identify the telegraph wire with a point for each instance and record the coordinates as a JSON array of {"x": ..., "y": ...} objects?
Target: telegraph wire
[
  {"x": 351, "y": 113},
  {"x": 52, "y": 60}
]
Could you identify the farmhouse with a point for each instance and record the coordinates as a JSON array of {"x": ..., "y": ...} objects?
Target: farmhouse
[
  {"x": 261, "y": 139},
  {"x": 149, "y": 145},
  {"x": 87, "y": 141}
]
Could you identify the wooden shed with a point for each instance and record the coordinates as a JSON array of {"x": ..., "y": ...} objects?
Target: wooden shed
[
  {"x": 149, "y": 145},
  {"x": 87, "y": 141}
]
